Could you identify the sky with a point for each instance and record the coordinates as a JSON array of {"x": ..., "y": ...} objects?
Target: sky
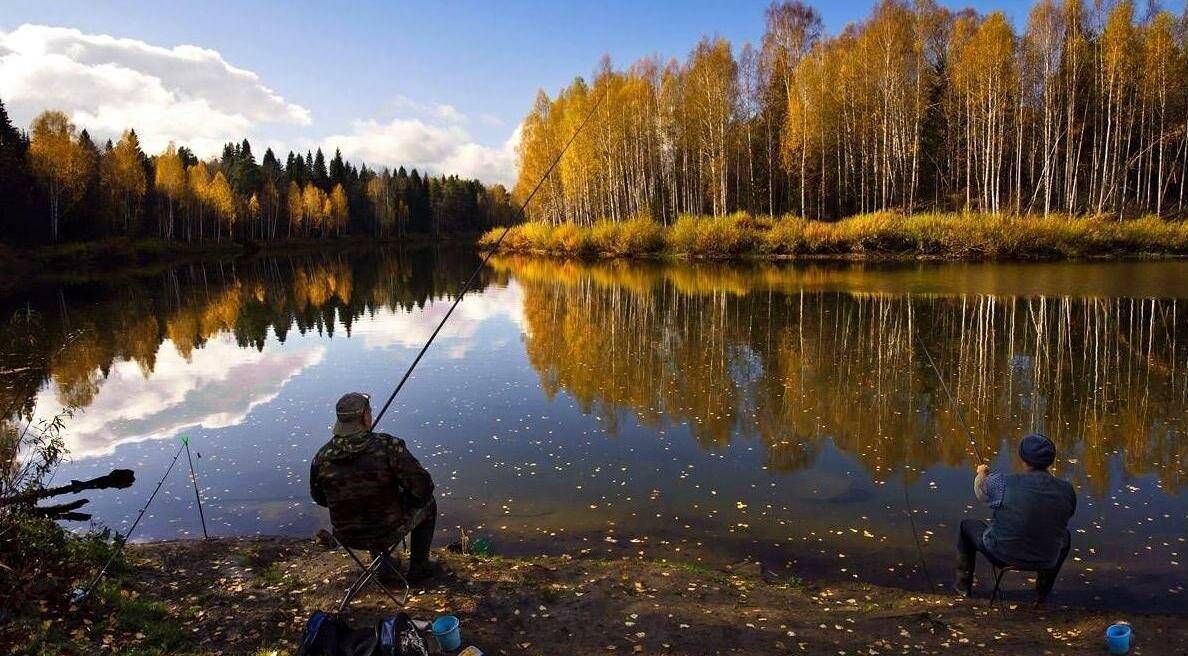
[{"x": 441, "y": 86}]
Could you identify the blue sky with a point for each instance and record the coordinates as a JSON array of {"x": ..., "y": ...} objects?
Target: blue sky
[{"x": 447, "y": 82}]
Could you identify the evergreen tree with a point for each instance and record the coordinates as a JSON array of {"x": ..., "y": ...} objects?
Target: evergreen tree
[
  {"x": 321, "y": 178},
  {"x": 296, "y": 170},
  {"x": 245, "y": 176},
  {"x": 187, "y": 156},
  {"x": 338, "y": 170},
  {"x": 15, "y": 182}
]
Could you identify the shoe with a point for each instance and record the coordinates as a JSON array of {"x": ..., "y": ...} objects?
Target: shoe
[
  {"x": 389, "y": 572},
  {"x": 963, "y": 589},
  {"x": 423, "y": 571}
]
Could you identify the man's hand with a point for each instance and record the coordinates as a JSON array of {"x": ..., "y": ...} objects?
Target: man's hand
[{"x": 983, "y": 469}]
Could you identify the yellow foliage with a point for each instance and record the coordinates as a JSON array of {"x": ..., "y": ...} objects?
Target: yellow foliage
[{"x": 954, "y": 235}]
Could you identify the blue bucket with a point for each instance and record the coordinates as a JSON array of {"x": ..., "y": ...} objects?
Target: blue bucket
[
  {"x": 445, "y": 629},
  {"x": 1118, "y": 638}
]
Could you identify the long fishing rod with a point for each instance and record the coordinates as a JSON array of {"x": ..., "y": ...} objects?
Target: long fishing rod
[
  {"x": 952, "y": 402},
  {"x": 916, "y": 534},
  {"x": 483, "y": 263},
  {"x": 80, "y": 595},
  {"x": 907, "y": 501},
  {"x": 194, "y": 480}
]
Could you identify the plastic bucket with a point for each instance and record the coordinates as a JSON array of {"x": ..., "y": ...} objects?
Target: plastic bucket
[
  {"x": 1118, "y": 638},
  {"x": 445, "y": 629}
]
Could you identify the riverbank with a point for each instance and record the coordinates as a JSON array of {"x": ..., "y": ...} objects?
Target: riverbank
[
  {"x": 878, "y": 235},
  {"x": 252, "y": 596},
  {"x": 82, "y": 260}
]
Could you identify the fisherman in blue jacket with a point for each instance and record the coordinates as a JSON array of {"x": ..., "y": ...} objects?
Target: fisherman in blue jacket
[{"x": 1030, "y": 525}]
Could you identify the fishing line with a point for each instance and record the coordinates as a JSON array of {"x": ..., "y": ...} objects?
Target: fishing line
[
  {"x": 80, "y": 595},
  {"x": 952, "y": 401},
  {"x": 977, "y": 452},
  {"x": 916, "y": 534},
  {"x": 483, "y": 263}
]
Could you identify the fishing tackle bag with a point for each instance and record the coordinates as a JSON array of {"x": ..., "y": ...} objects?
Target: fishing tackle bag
[{"x": 327, "y": 634}]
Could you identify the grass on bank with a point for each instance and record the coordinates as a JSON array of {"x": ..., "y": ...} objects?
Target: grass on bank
[{"x": 881, "y": 233}]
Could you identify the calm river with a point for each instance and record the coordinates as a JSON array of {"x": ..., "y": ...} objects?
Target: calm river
[{"x": 700, "y": 412}]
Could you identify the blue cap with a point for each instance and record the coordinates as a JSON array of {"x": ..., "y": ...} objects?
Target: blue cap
[{"x": 1037, "y": 451}]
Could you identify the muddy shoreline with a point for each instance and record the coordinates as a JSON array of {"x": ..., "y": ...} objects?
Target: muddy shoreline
[{"x": 253, "y": 596}]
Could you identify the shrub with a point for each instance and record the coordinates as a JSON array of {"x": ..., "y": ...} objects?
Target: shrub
[
  {"x": 960, "y": 235},
  {"x": 604, "y": 237},
  {"x": 640, "y": 236},
  {"x": 784, "y": 236},
  {"x": 489, "y": 238},
  {"x": 710, "y": 236},
  {"x": 571, "y": 239}
]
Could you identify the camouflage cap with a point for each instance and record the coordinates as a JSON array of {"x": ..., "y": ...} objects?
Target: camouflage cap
[{"x": 350, "y": 409}]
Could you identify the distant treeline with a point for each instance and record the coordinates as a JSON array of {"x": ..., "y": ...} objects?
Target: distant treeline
[
  {"x": 915, "y": 108},
  {"x": 57, "y": 184}
]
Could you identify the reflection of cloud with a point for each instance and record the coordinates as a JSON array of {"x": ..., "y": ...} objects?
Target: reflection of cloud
[
  {"x": 411, "y": 329},
  {"x": 217, "y": 388}
]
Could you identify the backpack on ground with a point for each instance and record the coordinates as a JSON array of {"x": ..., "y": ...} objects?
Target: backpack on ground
[{"x": 329, "y": 635}]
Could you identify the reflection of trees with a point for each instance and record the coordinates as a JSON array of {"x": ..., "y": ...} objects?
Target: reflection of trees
[
  {"x": 71, "y": 335},
  {"x": 789, "y": 368}
]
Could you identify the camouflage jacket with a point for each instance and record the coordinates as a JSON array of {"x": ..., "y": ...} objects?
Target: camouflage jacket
[{"x": 371, "y": 484}]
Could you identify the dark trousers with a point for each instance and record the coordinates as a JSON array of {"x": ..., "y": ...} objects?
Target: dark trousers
[
  {"x": 420, "y": 538},
  {"x": 969, "y": 543}
]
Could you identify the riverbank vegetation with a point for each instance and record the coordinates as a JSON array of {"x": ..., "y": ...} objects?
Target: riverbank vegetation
[
  {"x": 57, "y": 184},
  {"x": 880, "y": 234},
  {"x": 918, "y": 108}
]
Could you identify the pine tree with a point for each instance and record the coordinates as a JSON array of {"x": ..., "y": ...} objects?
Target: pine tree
[
  {"x": 321, "y": 178},
  {"x": 338, "y": 169},
  {"x": 15, "y": 181}
]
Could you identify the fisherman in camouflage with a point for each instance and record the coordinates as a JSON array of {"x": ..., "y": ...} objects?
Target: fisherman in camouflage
[{"x": 375, "y": 489}]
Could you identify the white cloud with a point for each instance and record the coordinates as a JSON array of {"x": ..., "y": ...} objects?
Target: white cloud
[
  {"x": 450, "y": 114},
  {"x": 434, "y": 146},
  {"x": 490, "y": 119},
  {"x": 196, "y": 98},
  {"x": 432, "y": 111},
  {"x": 186, "y": 94}
]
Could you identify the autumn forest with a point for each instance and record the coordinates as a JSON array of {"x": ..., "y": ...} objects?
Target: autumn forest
[
  {"x": 1072, "y": 109},
  {"x": 1074, "y": 112},
  {"x": 57, "y": 184}
]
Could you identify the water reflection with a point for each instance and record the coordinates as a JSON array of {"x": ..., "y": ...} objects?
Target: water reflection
[
  {"x": 696, "y": 411},
  {"x": 752, "y": 354},
  {"x": 186, "y": 348}
]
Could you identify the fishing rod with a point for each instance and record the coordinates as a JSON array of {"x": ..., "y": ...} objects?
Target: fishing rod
[
  {"x": 916, "y": 534},
  {"x": 907, "y": 501},
  {"x": 952, "y": 401},
  {"x": 194, "y": 479},
  {"x": 474, "y": 274},
  {"x": 79, "y": 595}
]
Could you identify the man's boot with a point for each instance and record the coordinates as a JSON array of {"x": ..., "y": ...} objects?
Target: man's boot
[
  {"x": 389, "y": 572},
  {"x": 963, "y": 581},
  {"x": 422, "y": 570}
]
